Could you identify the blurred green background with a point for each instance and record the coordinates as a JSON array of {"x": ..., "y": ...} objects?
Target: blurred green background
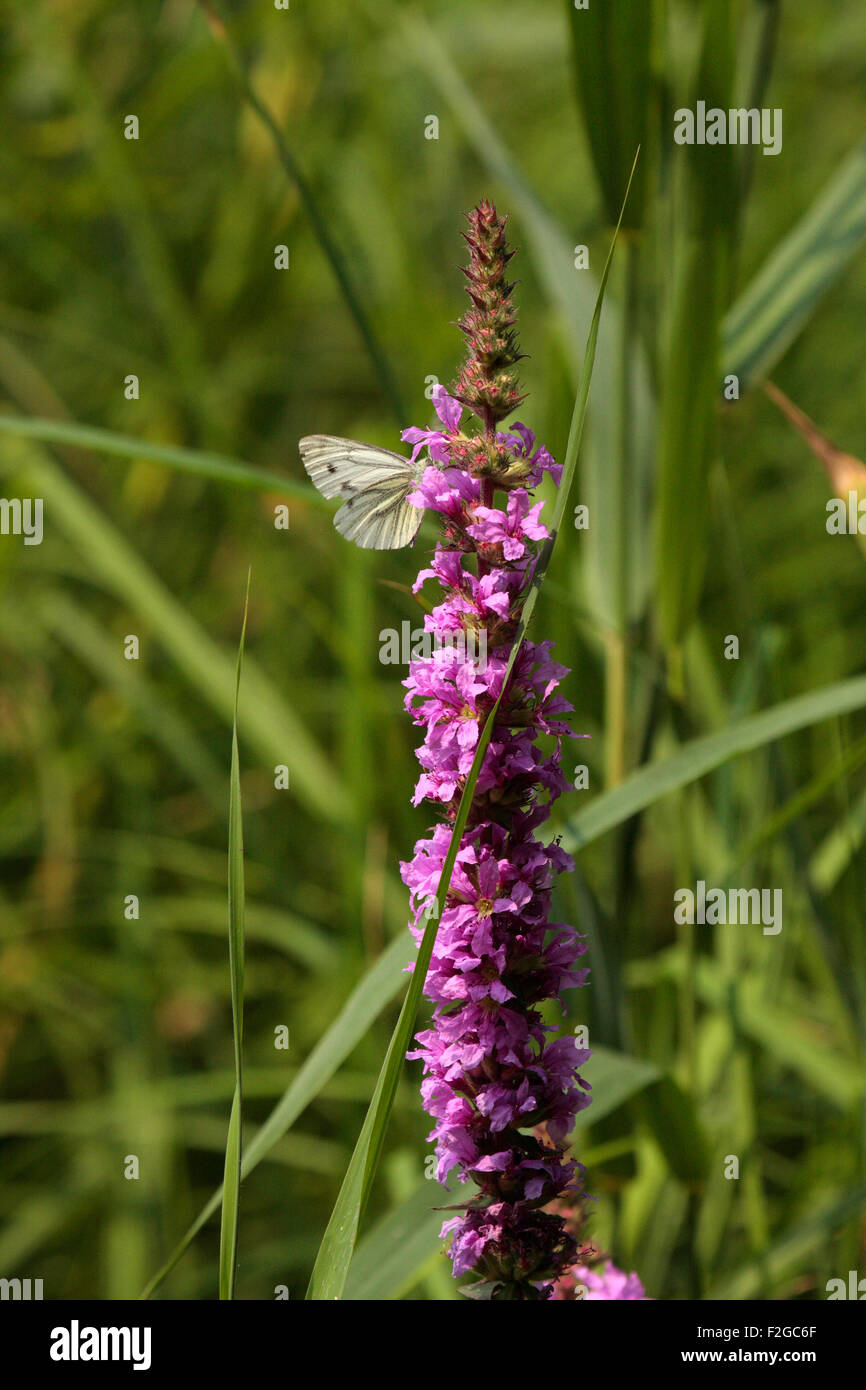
[{"x": 155, "y": 258}]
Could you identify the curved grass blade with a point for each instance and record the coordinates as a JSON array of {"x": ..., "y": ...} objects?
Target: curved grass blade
[
  {"x": 217, "y": 467},
  {"x": 335, "y": 1254},
  {"x": 317, "y": 219},
  {"x": 393, "y": 1256},
  {"x": 232, "y": 1174},
  {"x": 766, "y": 318},
  {"x": 702, "y": 755}
]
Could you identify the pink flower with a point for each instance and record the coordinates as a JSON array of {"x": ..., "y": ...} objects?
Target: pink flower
[
  {"x": 611, "y": 1283},
  {"x": 511, "y": 530},
  {"x": 436, "y": 441},
  {"x": 521, "y": 442}
]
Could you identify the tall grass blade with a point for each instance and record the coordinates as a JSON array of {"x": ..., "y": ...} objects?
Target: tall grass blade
[
  {"x": 611, "y": 48},
  {"x": 377, "y": 988},
  {"x": 232, "y": 1175},
  {"x": 691, "y": 383},
  {"x": 216, "y": 467}
]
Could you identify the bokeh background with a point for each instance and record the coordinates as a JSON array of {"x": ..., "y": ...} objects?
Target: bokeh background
[{"x": 155, "y": 257}]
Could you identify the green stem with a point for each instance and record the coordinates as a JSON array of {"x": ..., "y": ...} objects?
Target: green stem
[{"x": 617, "y": 677}]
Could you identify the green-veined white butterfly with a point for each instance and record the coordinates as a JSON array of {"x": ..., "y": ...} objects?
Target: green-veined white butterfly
[{"x": 373, "y": 484}]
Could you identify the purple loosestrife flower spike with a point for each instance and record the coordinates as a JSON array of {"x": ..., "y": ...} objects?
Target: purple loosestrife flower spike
[{"x": 502, "y": 1090}]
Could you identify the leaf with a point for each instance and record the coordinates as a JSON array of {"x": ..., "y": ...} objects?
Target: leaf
[
  {"x": 670, "y": 1113},
  {"x": 767, "y": 317},
  {"x": 688, "y": 434},
  {"x": 393, "y": 1255},
  {"x": 611, "y": 48},
  {"x": 232, "y": 1175},
  {"x": 335, "y": 1254},
  {"x": 788, "y": 1035},
  {"x": 483, "y": 1291},
  {"x": 317, "y": 218},
  {"x": 702, "y": 755},
  {"x": 615, "y": 1078},
  {"x": 839, "y": 847}
]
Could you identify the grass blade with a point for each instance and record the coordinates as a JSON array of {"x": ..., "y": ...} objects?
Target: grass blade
[
  {"x": 572, "y": 296},
  {"x": 232, "y": 1174},
  {"x": 392, "y": 1257},
  {"x": 691, "y": 383},
  {"x": 786, "y": 1256},
  {"x": 268, "y": 721},
  {"x": 702, "y": 755},
  {"x": 217, "y": 467},
  {"x": 611, "y": 47},
  {"x": 766, "y": 318},
  {"x": 318, "y": 220},
  {"x": 335, "y": 1254},
  {"x": 366, "y": 1002}
]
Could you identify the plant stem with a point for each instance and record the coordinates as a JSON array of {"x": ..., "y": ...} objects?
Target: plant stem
[{"x": 617, "y": 682}]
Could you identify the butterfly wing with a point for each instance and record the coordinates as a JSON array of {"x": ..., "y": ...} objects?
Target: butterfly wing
[{"x": 373, "y": 484}]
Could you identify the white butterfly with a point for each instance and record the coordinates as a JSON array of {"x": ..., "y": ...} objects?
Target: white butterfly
[{"x": 374, "y": 485}]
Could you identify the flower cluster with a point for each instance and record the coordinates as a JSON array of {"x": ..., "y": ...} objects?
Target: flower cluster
[
  {"x": 502, "y": 1089},
  {"x": 601, "y": 1286}
]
